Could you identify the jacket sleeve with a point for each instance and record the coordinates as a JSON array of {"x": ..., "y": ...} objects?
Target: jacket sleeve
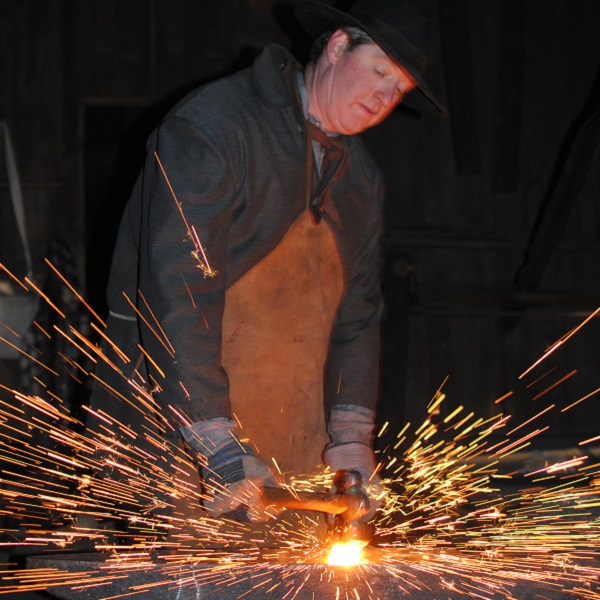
[
  {"x": 352, "y": 370},
  {"x": 183, "y": 267}
]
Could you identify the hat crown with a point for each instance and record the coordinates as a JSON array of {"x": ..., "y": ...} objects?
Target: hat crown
[{"x": 402, "y": 16}]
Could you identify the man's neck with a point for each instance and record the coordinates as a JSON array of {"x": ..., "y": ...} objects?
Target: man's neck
[{"x": 313, "y": 113}]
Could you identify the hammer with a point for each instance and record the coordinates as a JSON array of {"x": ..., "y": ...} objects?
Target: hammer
[{"x": 348, "y": 504}]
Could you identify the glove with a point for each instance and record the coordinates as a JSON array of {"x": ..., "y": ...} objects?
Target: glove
[
  {"x": 233, "y": 476},
  {"x": 351, "y": 430}
]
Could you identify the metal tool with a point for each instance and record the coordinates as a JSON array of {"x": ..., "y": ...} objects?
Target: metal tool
[{"x": 348, "y": 505}]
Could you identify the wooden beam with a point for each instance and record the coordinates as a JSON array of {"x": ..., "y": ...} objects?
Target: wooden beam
[
  {"x": 508, "y": 102},
  {"x": 458, "y": 71},
  {"x": 575, "y": 163},
  {"x": 557, "y": 208}
]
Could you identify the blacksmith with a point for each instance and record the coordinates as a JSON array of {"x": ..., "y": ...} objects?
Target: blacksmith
[{"x": 257, "y": 289}]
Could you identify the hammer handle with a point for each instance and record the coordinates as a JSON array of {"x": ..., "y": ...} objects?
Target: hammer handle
[{"x": 327, "y": 503}]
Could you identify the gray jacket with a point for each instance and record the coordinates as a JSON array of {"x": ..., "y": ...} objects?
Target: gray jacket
[{"x": 234, "y": 152}]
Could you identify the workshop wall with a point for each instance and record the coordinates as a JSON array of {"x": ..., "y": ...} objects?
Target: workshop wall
[{"x": 508, "y": 180}]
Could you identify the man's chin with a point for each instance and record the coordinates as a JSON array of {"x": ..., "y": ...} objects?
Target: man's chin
[{"x": 356, "y": 127}]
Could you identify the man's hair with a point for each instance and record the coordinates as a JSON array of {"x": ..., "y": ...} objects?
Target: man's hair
[{"x": 357, "y": 37}]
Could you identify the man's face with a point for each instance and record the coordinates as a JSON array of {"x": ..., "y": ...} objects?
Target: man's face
[{"x": 359, "y": 88}]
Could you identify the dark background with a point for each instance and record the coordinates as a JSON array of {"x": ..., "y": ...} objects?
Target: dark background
[{"x": 492, "y": 225}]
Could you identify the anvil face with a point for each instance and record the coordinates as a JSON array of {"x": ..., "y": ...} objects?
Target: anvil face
[{"x": 97, "y": 576}]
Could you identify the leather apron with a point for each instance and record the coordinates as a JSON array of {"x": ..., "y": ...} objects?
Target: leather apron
[{"x": 276, "y": 330}]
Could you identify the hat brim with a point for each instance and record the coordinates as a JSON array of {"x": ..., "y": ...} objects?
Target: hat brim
[{"x": 317, "y": 18}]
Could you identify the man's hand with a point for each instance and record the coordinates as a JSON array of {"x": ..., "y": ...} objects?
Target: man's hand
[
  {"x": 351, "y": 431},
  {"x": 232, "y": 475}
]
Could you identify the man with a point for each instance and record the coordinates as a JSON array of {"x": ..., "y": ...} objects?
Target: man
[{"x": 250, "y": 250}]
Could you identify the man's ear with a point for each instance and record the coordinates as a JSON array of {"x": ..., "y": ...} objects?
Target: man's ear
[{"x": 337, "y": 45}]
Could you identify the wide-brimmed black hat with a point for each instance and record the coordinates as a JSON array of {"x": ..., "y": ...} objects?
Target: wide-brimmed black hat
[{"x": 401, "y": 30}]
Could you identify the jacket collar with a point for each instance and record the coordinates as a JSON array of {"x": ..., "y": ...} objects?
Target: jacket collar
[{"x": 268, "y": 81}]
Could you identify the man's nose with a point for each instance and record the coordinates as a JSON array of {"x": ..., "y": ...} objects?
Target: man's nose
[{"x": 386, "y": 95}]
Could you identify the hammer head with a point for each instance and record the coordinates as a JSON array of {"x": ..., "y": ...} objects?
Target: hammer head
[
  {"x": 350, "y": 525},
  {"x": 348, "y": 505}
]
